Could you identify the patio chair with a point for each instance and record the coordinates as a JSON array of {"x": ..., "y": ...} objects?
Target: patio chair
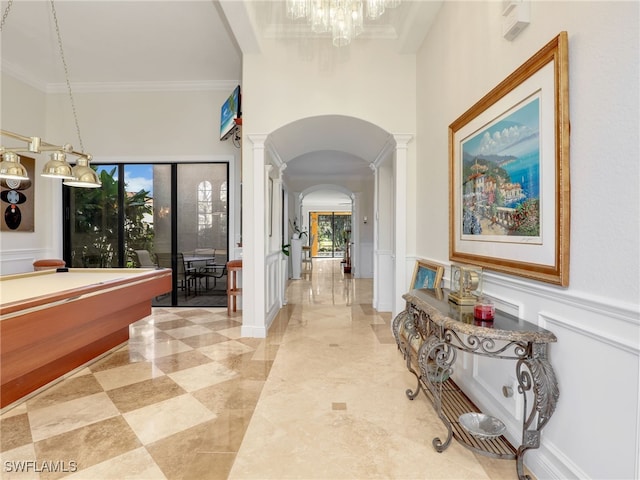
[
  {"x": 143, "y": 259},
  {"x": 187, "y": 278}
]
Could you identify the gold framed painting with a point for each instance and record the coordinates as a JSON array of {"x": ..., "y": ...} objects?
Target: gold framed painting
[{"x": 509, "y": 173}]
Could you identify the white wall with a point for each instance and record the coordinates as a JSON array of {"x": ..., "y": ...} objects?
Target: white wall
[
  {"x": 24, "y": 112},
  {"x": 328, "y": 81},
  {"x": 171, "y": 126},
  {"x": 595, "y": 430},
  {"x": 158, "y": 123},
  {"x": 289, "y": 82}
]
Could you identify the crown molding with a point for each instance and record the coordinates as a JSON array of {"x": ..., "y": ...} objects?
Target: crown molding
[
  {"x": 18, "y": 73},
  {"x": 115, "y": 87}
]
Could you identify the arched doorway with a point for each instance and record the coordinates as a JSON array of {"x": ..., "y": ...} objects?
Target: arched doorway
[
  {"x": 328, "y": 211},
  {"x": 325, "y": 146}
]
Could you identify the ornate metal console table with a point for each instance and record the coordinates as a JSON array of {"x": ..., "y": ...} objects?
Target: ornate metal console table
[{"x": 430, "y": 332}]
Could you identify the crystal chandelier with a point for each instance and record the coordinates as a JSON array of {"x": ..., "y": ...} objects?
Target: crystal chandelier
[{"x": 344, "y": 19}]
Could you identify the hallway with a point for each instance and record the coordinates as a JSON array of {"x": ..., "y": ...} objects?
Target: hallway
[{"x": 187, "y": 398}]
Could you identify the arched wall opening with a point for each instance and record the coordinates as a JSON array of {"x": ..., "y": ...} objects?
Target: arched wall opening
[
  {"x": 327, "y": 212},
  {"x": 349, "y": 153}
]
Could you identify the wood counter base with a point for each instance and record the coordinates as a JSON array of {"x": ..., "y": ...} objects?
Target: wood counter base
[{"x": 44, "y": 337}]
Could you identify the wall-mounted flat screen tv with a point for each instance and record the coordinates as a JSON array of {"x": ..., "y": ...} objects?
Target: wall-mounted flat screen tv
[{"x": 229, "y": 112}]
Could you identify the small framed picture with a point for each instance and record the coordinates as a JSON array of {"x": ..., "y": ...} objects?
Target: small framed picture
[{"x": 427, "y": 275}]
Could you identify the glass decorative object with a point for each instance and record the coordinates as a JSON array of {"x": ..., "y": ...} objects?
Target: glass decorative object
[
  {"x": 466, "y": 284},
  {"x": 484, "y": 309}
]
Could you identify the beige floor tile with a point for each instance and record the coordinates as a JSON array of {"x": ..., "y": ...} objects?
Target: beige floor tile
[
  {"x": 181, "y": 361},
  {"x": 204, "y": 451},
  {"x": 133, "y": 465},
  {"x": 158, "y": 349},
  {"x": 18, "y": 463},
  {"x": 196, "y": 378},
  {"x": 205, "y": 339},
  {"x": 190, "y": 331},
  {"x": 60, "y": 418},
  {"x": 173, "y": 324},
  {"x": 14, "y": 432},
  {"x": 232, "y": 332},
  {"x": 238, "y": 394},
  {"x": 141, "y": 394},
  {"x": 72, "y": 388},
  {"x": 166, "y": 418},
  {"x": 127, "y": 374},
  {"x": 89, "y": 445},
  {"x": 222, "y": 350},
  {"x": 322, "y": 397}
]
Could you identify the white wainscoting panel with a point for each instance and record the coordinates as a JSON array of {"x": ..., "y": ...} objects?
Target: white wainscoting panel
[
  {"x": 383, "y": 296},
  {"x": 596, "y": 360},
  {"x": 19, "y": 261}
]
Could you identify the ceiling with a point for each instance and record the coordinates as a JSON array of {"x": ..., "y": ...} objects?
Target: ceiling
[
  {"x": 109, "y": 43},
  {"x": 148, "y": 45}
]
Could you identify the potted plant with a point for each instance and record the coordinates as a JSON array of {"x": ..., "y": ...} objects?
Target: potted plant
[
  {"x": 346, "y": 235},
  {"x": 298, "y": 233}
]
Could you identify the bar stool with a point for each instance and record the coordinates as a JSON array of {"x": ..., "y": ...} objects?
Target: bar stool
[
  {"x": 48, "y": 264},
  {"x": 233, "y": 290}
]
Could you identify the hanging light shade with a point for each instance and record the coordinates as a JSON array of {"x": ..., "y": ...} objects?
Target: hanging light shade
[
  {"x": 375, "y": 8},
  {"x": 84, "y": 175},
  {"x": 357, "y": 18},
  {"x": 342, "y": 27},
  {"x": 319, "y": 16},
  {"x": 11, "y": 168},
  {"x": 80, "y": 176},
  {"x": 343, "y": 19},
  {"x": 297, "y": 8},
  {"x": 58, "y": 167}
]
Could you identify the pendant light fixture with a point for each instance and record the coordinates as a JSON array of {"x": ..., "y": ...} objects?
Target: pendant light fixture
[
  {"x": 83, "y": 175},
  {"x": 11, "y": 168},
  {"x": 57, "y": 166}
]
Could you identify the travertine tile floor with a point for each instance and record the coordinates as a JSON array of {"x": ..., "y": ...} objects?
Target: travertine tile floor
[{"x": 322, "y": 397}]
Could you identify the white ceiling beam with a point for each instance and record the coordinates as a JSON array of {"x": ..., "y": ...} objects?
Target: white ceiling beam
[{"x": 242, "y": 25}]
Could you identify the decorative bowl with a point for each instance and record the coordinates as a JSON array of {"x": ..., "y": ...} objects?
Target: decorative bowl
[
  {"x": 436, "y": 374},
  {"x": 484, "y": 427}
]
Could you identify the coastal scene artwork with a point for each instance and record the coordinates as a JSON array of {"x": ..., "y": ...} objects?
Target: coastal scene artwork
[
  {"x": 427, "y": 275},
  {"x": 509, "y": 188},
  {"x": 425, "y": 278},
  {"x": 500, "y": 176}
]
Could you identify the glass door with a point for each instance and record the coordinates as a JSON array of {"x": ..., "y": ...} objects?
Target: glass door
[
  {"x": 93, "y": 218},
  {"x": 201, "y": 233},
  {"x": 145, "y": 215},
  {"x": 331, "y": 232}
]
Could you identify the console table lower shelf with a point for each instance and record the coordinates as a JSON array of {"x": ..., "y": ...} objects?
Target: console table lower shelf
[
  {"x": 430, "y": 333},
  {"x": 454, "y": 404}
]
